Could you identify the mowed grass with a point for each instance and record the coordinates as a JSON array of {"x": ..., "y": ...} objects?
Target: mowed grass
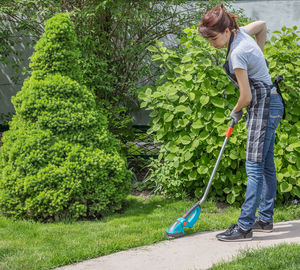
[
  {"x": 281, "y": 257},
  {"x": 28, "y": 245}
]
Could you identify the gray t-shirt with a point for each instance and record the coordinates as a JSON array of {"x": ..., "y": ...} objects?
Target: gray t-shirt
[{"x": 245, "y": 54}]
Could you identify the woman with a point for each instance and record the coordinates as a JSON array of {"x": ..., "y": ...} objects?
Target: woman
[{"x": 246, "y": 66}]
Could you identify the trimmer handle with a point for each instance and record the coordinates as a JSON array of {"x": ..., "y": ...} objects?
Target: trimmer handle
[
  {"x": 228, "y": 133},
  {"x": 232, "y": 124},
  {"x": 230, "y": 128}
]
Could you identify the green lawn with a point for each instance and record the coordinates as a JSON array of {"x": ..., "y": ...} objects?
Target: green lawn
[
  {"x": 281, "y": 257},
  {"x": 27, "y": 245}
]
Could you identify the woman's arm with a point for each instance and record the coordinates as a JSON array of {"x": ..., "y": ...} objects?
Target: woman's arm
[
  {"x": 245, "y": 91},
  {"x": 259, "y": 30}
]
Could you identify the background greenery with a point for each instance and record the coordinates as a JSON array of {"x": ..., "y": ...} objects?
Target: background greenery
[
  {"x": 190, "y": 108},
  {"x": 113, "y": 37}
]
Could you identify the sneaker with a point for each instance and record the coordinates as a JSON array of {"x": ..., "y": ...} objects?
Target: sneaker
[
  {"x": 262, "y": 226},
  {"x": 235, "y": 233}
]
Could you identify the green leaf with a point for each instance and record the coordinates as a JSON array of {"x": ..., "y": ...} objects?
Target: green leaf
[
  {"x": 292, "y": 146},
  {"x": 170, "y": 157},
  {"x": 230, "y": 198},
  {"x": 183, "y": 40},
  {"x": 183, "y": 122},
  {"x": 148, "y": 92},
  {"x": 234, "y": 155},
  {"x": 203, "y": 135},
  {"x": 291, "y": 158},
  {"x": 186, "y": 58},
  {"x": 188, "y": 155},
  {"x": 143, "y": 104},
  {"x": 195, "y": 144},
  {"x": 218, "y": 102},
  {"x": 159, "y": 43},
  {"x": 188, "y": 77},
  {"x": 289, "y": 66},
  {"x": 219, "y": 117},
  {"x": 151, "y": 48},
  {"x": 179, "y": 69},
  {"x": 200, "y": 77},
  {"x": 192, "y": 175},
  {"x": 204, "y": 100},
  {"x": 285, "y": 187},
  {"x": 202, "y": 170},
  {"x": 227, "y": 190},
  {"x": 185, "y": 140},
  {"x": 168, "y": 117},
  {"x": 156, "y": 57},
  {"x": 180, "y": 108},
  {"x": 198, "y": 124},
  {"x": 192, "y": 96},
  {"x": 189, "y": 165},
  {"x": 172, "y": 148},
  {"x": 183, "y": 99}
]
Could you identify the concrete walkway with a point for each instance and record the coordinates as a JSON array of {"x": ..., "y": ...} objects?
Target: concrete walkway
[{"x": 197, "y": 251}]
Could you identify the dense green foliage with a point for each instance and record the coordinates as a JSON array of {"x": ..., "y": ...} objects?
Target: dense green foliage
[
  {"x": 58, "y": 159},
  {"x": 283, "y": 53},
  {"x": 190, "y": 110}
]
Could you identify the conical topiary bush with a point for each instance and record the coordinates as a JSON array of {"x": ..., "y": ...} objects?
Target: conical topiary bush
[{"x": 58, "y": 159}]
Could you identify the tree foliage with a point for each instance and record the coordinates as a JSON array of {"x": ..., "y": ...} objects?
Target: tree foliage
[
  {"x": 58, "y": 159},
  {"x": 113, "y": 37}
]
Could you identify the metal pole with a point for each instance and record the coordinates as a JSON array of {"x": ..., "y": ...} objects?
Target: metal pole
[{"x": 214, "y": 171}]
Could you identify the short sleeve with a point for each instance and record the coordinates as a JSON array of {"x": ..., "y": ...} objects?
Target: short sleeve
[
  {"x": 239, "y": 59},
  {"x": 244, "y": 30}
]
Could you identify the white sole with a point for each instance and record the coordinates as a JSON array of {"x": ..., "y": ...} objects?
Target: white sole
[
  {"x": 236, "y": 240},
  {"x": 258, "y": 230}
]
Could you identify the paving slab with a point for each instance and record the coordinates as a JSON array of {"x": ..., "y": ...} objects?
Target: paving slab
[{"x": 197, "y": 251}]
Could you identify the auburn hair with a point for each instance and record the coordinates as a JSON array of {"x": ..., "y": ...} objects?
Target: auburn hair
[{"x": 216, "y": 21}]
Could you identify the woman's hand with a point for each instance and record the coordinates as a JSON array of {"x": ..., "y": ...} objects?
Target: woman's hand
[
  {"x": 259, "y": 30},
  {"x": 244, "y": 86}
]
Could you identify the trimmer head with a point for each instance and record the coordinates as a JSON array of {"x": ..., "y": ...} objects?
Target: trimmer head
[
  {"x": 188, "y": 220},
  {"x": 176, "y": 229}
]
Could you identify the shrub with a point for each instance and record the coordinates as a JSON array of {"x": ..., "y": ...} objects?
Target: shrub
[
  {"x": 283, "y": 53},
  {"x": 190, "y": 111},
  {"x": 58, "y": 159}
]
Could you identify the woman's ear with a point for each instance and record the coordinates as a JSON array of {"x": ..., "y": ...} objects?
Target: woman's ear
[{"x": 227, "y": 31}]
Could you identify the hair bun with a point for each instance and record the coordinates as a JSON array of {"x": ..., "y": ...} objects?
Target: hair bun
[{"x": 217, "y": 20}]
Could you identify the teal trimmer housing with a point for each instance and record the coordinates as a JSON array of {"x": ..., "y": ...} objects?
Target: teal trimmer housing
[{"x": 187, "y": 220}]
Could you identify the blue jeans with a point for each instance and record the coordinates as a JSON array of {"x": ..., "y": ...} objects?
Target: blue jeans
[{"x": 261, "y": 187}]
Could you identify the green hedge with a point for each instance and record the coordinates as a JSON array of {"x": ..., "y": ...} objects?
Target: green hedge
[
  {"x": 190, "y": 110},
  {"x": 58, "y": 159}
]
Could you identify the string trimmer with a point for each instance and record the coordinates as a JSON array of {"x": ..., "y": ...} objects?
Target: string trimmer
[{"x": 191, "y": 216}]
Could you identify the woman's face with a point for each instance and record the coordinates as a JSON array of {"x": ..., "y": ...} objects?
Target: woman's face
[{"x": 220, "y": 40}]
